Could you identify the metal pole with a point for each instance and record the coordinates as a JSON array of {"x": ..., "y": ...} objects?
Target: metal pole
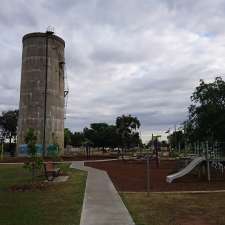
[
  {"x": 175, "y": 131},
  {"x": 157, "y": 151},
  {"x": 148, "y": 173},
  {"x": 207, "y": 161},
  {"x": 45, "y": 94}
]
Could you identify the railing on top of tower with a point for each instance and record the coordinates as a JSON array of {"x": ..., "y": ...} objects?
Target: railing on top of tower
[{"x": 50, "y": 30}]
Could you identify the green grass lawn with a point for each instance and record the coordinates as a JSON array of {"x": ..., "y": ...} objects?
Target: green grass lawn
[
  {"x": 176, "y": 209},
  {"x": 59, "y": 204}
]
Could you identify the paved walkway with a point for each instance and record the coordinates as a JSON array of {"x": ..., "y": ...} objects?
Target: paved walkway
[{"x": 102, "y": 204}]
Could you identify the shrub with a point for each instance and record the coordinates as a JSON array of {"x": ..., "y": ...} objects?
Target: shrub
[{"x": 36, "y": 162}]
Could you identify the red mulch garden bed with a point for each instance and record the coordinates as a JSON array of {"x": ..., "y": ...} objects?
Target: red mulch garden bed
[{"x": 130, "y": 175}]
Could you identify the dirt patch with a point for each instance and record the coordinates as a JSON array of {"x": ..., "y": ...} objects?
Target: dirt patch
[
  {"x": 193, "y": 220},
  {"x": 131, "y": 176},
  {"x": 40, "y": 186}
]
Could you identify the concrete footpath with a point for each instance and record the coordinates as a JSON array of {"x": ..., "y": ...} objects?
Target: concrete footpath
[{"x": 102, "y": 203}]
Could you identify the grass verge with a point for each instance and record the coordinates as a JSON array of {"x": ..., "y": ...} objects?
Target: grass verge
[
  {"x": 59, "y": 204},
  {"x": 176, "y": 209}
]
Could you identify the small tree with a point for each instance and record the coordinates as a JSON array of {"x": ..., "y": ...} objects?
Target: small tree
[
  {"x": 126, "y": 128},
  {"x": 8, "y": 127},
  {"x": 36, "y": 162},
  {"x": 8, "y": 124}
]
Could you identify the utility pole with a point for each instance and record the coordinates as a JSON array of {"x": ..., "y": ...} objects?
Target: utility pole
[
  {"x": 175, "y": 136},
  {"x": 48, "y": 34},
  {"x": 148, "y": 173}
]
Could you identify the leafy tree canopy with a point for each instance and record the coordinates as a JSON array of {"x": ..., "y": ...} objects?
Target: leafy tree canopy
[
  {"x": 103, "y": 135},
  {"x": 8, "y": 123},
  {"x": 207, "y": 112},
  {"x": 127, "y": 129},
  {"x": 77, "y": 139}
]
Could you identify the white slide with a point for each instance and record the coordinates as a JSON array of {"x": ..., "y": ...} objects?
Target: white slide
[{"x": 196, "y": 161}]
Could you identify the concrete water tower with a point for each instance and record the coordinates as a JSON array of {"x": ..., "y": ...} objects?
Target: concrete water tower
[{"x": 42, "y": 89}]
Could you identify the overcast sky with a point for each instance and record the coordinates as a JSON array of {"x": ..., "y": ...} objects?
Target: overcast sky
[{"x": 138, "y": 57}]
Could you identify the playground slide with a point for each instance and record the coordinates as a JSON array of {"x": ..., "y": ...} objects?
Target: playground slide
[{"x": 186, "y": 170}]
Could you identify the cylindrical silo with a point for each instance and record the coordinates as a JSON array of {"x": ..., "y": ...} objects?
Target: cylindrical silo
[{"x": 42, "y": 89}]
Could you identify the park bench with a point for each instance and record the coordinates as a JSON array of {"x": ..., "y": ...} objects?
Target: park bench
[{"x": 51, "y": 171}]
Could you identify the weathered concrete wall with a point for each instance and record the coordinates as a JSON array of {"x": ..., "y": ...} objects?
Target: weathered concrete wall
[{"x": 33, "y": 88}]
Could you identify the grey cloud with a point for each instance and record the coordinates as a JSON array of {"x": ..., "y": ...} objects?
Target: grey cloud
[
  {"x": 14, "y": 13},
  {"x": 158, "y": 119},
  {"x": 139, "y": 57},
  {"x": 116, "y": 56}
]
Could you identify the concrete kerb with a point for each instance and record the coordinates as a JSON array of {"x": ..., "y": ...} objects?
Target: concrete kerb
[
  {"x": 175, "y": 192},
  {"x": 102, "y": 204}
]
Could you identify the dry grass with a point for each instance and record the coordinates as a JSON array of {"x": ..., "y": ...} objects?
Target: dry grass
[{"x": 176, "y": 209}]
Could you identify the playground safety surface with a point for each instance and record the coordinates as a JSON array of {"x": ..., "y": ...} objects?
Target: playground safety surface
[{"x": 130, "y": 176}]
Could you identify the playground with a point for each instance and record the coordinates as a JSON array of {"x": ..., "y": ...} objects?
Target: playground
[
  {"x": 200, "y": 169},
  {"x": 130, "y": 176},
  {"x": 184, "y": 190},
  {"x": 179, "y": 204},
  {"x": 181, "y": 184}
]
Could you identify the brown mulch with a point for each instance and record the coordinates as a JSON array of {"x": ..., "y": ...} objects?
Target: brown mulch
[
  {"x": 131, "y": 176},
  {"x": 62, "y": 158}
]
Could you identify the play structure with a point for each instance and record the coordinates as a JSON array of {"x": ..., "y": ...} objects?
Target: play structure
[
  {"x": 210, "y": 155},
  {"x": 196, "y": 161}
]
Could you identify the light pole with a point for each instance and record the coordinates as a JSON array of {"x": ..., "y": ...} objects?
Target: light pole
[
  {"x": 148, "y": 172},
  {"x": 169, "y": 140}
]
